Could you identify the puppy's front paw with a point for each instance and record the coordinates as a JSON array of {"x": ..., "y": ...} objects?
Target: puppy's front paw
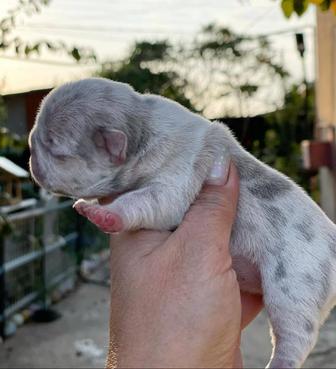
[{"x": 101, "y": 216}]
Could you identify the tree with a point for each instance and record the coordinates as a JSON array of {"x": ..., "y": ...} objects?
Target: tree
[
  {"x": 25, "y": 48},
  {"x": 286, "y": 128},
  {"x": 140, "y": 69},
  {"x": 227, "y": 72},
  {"x": 299, "y": 7},
  {"x": 219, "y": 73}
]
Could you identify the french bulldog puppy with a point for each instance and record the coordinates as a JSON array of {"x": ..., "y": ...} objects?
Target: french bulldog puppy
[{"x": 95, "y": 138}]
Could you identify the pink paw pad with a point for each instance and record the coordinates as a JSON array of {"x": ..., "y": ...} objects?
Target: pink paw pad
[
  {"x": 80, "y": 207},
  {"x": 107, "y": 221}
]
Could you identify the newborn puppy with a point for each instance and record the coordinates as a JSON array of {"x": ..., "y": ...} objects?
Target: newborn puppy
[{"x": 96, "y": 138}]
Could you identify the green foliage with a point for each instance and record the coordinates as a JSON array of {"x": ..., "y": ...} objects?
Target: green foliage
[
  {"x": 327, "y": 4},
  {"x": 299, "y": 7},
  {"x": 280, "y": 146},
  {"x": 24, "y": 48},
  {"x": 230, "y": 70},
  {"x": 287, "y": 7},
  {"x": 11, "y": 143},
  {"x": 145, "y": 51},
  {"x": 6, "y": 228},
  {"x": 136, "y": 70},
  {"x": 218, "y": 69}
]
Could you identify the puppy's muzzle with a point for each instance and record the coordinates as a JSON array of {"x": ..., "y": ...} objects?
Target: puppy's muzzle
[{"x": 36, "y": 170}]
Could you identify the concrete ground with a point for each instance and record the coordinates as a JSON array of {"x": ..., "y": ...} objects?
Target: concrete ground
[
  {"x": 79, "y": 338},
  {"x": 256, "y": 344}
]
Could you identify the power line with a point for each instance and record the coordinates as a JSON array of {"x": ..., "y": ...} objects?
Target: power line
[
  {"x": 80, "y": 28},
  {"x": 258, "y": 19},
  {"x": 69, "y": 64},
  {"x": 48, "y": 62},
  {"x": 120, "y": 38},
  {"x": 287, "y": 31},
  {"x": 125, "y": 30}
]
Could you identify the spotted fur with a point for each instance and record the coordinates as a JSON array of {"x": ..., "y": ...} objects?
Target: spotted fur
[{"x": 282, "y": 244}]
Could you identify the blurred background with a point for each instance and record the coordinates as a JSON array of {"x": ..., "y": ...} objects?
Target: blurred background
[{"x": 266, "y": 68}]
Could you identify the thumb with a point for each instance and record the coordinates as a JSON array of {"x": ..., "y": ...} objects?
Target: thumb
[{"x": 209, "y": 221}]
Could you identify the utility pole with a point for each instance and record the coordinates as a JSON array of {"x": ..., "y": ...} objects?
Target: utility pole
[
  {"x": 326, "y": 103},
  {"x": 300, "y": 44}
]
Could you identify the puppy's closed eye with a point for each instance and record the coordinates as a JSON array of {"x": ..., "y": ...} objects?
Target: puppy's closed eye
[
  {"x": 58, "y": 147},
  {"x": 61, "y": 157}
]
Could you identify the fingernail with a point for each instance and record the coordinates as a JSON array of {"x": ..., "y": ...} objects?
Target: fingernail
[{"x": 219, "y": 173}]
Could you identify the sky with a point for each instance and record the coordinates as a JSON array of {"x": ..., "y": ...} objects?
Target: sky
[{"x": 111, "y": 26}]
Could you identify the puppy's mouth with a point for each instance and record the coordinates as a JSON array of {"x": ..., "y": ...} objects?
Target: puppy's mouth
[
  {"x": 104, "y": 200},
  {"x": 60, "y": 193},
  {"x": 108, "y": 199}
]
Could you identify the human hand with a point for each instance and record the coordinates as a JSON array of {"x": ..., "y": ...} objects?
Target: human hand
[{"x": 175, "y": 299}]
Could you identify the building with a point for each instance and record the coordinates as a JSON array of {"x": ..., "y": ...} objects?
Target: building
[{"x": 22, "y": 109}]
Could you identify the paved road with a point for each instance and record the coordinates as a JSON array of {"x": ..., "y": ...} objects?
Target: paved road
[{"x": 79, "y": 338}]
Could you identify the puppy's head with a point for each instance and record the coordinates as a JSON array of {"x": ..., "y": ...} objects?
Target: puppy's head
[{"x": 80, "y": 140}]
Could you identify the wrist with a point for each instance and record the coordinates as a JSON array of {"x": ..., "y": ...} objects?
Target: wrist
[{"x": 173, "y": 354}]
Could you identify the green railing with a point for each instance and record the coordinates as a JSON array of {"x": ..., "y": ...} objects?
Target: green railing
[{"x": 44, "y": 247}]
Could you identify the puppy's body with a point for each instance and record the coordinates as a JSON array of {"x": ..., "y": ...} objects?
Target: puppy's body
[{"x": 282, "y": 244}]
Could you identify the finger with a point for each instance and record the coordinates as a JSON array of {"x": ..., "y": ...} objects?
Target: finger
[
  {"x": 251, "y": 307},
  {"x": 238, "y": 360},
  {"x": 209, "y": 221},
  {"x": 139, "y": 243}
]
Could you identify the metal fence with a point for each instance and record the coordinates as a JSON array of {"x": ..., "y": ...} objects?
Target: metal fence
[{"x": 42, "y": 248}]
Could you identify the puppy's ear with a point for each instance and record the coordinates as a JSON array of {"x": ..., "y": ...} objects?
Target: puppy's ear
[{"x": 114, "y": 142}]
